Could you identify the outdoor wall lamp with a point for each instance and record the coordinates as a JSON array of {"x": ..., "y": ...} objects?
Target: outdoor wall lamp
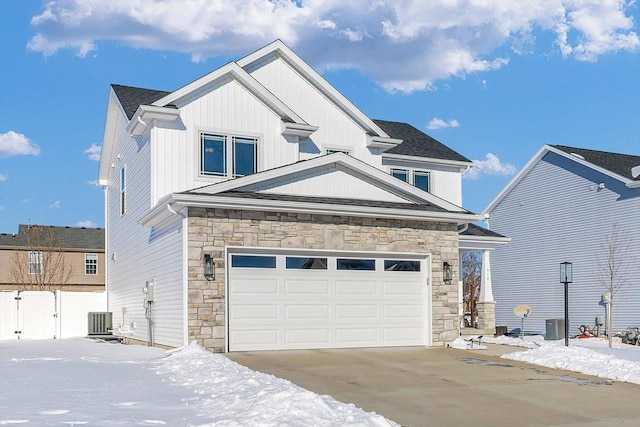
[
  {"x": 447, "y": 272},
  {"x": 209, "y": 267}
]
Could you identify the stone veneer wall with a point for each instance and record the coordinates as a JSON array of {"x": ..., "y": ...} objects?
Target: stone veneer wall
[{"x": 211, "y": 230}]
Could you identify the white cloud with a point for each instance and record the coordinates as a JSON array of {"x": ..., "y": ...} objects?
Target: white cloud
[
  {"x": 93, "y": 182},
  {"x": 437, "y": 123},
  {"x": 16, "y": 144},
  {"x": 93, "y": 152},
  {"x": 403, "y": 45},
  {"x": 491, "y": 166},
  {"x": 86, "y": 224},
  {"x": 3, "y": 177},
  {"x": 55, "y": 205}
]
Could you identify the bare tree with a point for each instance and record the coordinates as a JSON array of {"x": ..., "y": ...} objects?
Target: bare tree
[
  {"x": 42, "y": 265},
  {"x": 471, "y": 279},
  {"x": 611, "y": 268}
]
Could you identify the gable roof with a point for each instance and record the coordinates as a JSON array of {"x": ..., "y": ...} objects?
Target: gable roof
[
  {"x": 144, "y": 106},
  {"x": 68, "y": 238},
  {"x": 416, "y": 143},
  {"x": 238, "y": 193},
  {"x": 617, "y": 166}
]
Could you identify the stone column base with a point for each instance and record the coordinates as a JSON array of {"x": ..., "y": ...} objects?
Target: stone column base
[{"x": 486, "y": 315}]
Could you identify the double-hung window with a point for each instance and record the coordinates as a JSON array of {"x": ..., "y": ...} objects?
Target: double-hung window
[
  {"x": 91, "y": 264},
  {"x": 35, "y": 262},
  {"x": 415, "y": 177},
  {"x": 228, "y": 155}
]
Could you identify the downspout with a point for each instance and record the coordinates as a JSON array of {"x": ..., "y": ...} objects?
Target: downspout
[{"x": 173, "y": 211}]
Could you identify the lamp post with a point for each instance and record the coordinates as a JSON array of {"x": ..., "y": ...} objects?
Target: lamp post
[{"x": 566, "y": 277}]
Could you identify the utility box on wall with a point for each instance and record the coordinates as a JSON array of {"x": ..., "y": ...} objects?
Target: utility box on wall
[{"x": 555, "y": 329}]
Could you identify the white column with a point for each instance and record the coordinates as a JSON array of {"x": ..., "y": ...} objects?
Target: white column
[{"x": 486, "y": 290}]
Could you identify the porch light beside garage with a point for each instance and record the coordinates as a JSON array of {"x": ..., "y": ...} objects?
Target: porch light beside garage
[
  {"x": 209, "y": 267},
  {"x": 447, "y": 273}
]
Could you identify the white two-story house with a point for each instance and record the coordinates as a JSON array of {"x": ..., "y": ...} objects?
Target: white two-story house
[{"x": 258, "y": 208}]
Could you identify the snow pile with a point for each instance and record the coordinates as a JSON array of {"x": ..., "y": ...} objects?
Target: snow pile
[
  {"x": 462, "y": 344},
  {"x": 78, "y": 381},
  {"x": 590, "y": 356},
  {"x": 238, "y": 396}
]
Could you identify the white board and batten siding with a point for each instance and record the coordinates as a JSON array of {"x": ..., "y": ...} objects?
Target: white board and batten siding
[
  {"x": 283, "y": 307},
  {"x": 557, "y": 213},
  {"x": 228, "y": 108},
  {"x": 135, "y": 254},
  {"x": 314, "y": 107}
]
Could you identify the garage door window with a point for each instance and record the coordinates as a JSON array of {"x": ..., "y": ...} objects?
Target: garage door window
[
  {"x": 356, "y": 264},
  {"x": 300, "y": 263},
  {"x": 401, "y": 265},
  {"x": 253, "y": 261}
]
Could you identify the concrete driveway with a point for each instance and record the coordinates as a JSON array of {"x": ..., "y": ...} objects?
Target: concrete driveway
[{"x": 416, "y": 386}]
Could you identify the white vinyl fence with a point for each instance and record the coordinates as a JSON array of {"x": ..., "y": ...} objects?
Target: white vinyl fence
[{"x": 44, "y": 314}]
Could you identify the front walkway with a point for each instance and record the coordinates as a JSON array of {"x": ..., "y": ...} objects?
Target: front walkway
[{"x": 417, "y": 386}]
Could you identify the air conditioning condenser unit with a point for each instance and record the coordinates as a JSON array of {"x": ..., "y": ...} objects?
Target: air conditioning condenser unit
[{"x": 100, "y": 323}]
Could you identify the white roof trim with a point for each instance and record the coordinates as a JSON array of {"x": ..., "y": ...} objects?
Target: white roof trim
[
  {"x": 471, "y": 243},
  {"x": 161, "y": 213},
  {"x": 454, "y": 163},
  {"x": 298, "y": 129},
  {"x": 145, "y": 116},
  {"x": 536, "y": 159},
  {"x": 235, "y": 72},
  {"x": 114, "y": 113},
  {"x": 279, "y": 48},
  {"x": 390, "y": 183},
  {"x": 382, "y": 142}
]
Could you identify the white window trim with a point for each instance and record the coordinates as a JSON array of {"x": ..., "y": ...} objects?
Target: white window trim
[
  {"x": 86, "y": 259},
  {"x": 411, "y": 173},
  {"x": 37, "y": 256},
  {"x": 229, "y": 152},
  {"x": 122, "y": 193}
]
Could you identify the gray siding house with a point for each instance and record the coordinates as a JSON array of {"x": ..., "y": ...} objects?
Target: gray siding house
[{"x": 561, "y": 207}]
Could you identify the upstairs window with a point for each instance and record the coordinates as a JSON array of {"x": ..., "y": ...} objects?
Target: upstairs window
[
  {"x": 218, "y": 151},
  {"x": 91, "y": 264},
  {"x": 401, "y": 174},
  {"x": 35, "y": 262},
  {"x": 415, "y": 177},
  {"x": 422, "y": 180}
]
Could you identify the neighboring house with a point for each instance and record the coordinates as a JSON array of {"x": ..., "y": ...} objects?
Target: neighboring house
[
  {"x": 50, "y": 258},
  {"x": 258, "y": 208},
  {"x": 561, "y": 207}
]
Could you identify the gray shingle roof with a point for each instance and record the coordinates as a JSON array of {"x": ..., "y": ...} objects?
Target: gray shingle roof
[
  {"x": 417, "y": 143},
  {"x": 65, "y": 237},
  {"x": 133, "y": 97},
  {"x": 620, "y": 164},
  {"x": 330, "y": 200},
  {"x": 476, "y": 230}
]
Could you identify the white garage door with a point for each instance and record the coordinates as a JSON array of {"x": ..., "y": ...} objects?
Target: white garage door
[{"x": 284, "y": 301}]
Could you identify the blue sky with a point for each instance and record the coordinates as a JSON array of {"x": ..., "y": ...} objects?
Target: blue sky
[{"x": 494, "y": 79}]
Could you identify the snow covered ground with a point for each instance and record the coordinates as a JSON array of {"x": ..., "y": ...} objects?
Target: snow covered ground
[
  {"x": 54, "y": 382},
  {"x": 591, "y": 356},
  {"x": 78, "y": 381}
]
